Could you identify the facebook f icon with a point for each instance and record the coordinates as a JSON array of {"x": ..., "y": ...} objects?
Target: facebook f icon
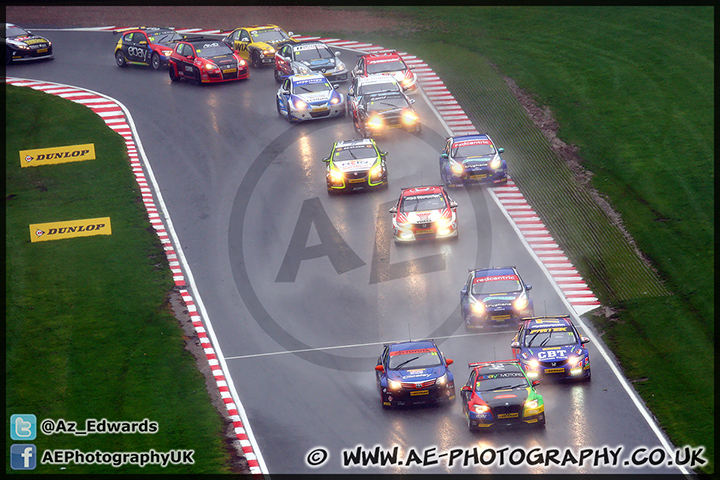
[
  {"x": 22, "y": 457},
  {"x": 23, "y": 426}
]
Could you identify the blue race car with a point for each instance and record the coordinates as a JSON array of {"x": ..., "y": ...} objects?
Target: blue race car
[
  {"x": 410, "y": 373},
  {"x": 494, "y": 296},
  {"x": 472, "y": 160},
  {"x": 551, "y": 347},
  {"x": 308, "y": 97}
]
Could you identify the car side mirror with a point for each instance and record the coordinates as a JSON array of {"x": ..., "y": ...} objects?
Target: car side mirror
[
  {"x": 326, "y": 159},
  {"x": 189, "y": 57},
  {"x": 584, "y": 340},
  {"x": 290, "y": 34},
  {"x": 466, "y": 388},
  {"x": 336, "y": 86},
  {"x": 379, "y": 368},
  {"x": 393, "y": 210},
  {"x": 535, "y": 383},
  {"x": 449, "y": 361},
  {"x": 337, "y": 53},
  {"x": 463, "y": 291},
  {"x": 411, "y": 100},
  {"x": 501, "y": 150},
  {"x": 444, "y": 155},
  {"x": 514, "y": 344},
  {"x": 453, "y": 204},
  {"x": 382, "y": 154},
  {"x": 411, "y": 67},
  {"x": 528, "y": 287}
]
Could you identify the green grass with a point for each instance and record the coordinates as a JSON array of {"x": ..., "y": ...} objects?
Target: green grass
[
  {"x": 633, "y": 88},
  {"x": 89, "y": 330}
]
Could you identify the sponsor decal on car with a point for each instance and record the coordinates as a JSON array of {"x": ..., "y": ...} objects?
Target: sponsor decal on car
[
  {"x": 495, "y": 278},
  {"x": 55, "y": 155},
  {"x": 41, "y": 232}
]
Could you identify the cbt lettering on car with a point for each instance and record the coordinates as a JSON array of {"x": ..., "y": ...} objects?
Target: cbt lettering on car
[
  {"x": 425, "y": 212},
  {"x": 472, "y": 160},
  {"x": 494, "y": 296},
  {"x": 22, "y": 45},
  {"x": 498, "y": 394},
  {"x": 206, "y": 61},
  {"x": 308, "y": 57},
  {"x": 355, "y": 165},
  {"x": 145, "y": 46},
  {"x": 411, "y": 373},
  {"x": 371, "y": 84},
  {"x": 258, "y": 43},
  {"x": 376, "y": 113},
  {"x": 308, "y": 97},
  {"x": 551, "y": 347},
  {"x": 390, "y": 63}
]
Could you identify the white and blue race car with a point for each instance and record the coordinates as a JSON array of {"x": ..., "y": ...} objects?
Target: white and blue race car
[{"x": 309, "y": 97}]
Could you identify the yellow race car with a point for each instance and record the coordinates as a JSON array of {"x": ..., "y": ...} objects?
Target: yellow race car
[{"x": 258, "y": 43}]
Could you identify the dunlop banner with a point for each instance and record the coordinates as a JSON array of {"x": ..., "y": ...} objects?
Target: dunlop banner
[
  {"x": 41, "y": 232},
  {"x": 50, "y": 156}
]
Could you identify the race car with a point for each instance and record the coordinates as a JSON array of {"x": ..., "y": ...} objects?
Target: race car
[
  {"x": 22, "y": 45},
  {"x": 145, "y": 46},
  {"x": 551, "y": 347},
  {"x": 307, "y": 57},
  {"x": 425, "y": 212},
  {"x": 498, "y": 394},
  {"x": 206, "y": 61},
  {"x": 376, "y": 113},
  {"x": 355, "y": 165},
  {"x": 494, "y": 296},
  {"x": 258, "y": 43},
  {"x": 308, "y": 97},
  {"x": 414, "y": 372},
  {"x": 390, "y": 63},
  {"x": 371, "y": 84},
  {"x": 472, "y": 159}
]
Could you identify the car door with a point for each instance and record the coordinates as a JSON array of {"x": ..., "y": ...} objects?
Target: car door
[
  {"x": 467, "y": 390},
  {"x": 282, "y": 60},
  {"x": 284, "y": 96},
  {"x": 359, "y": 68},
  {"x": 464, "y": 294},
  {"x": 185, "y": 60},
  {"x": 138, "y": 48},
  {"x": 382, "y": 360},
  {"x": 242, "y": 42}
]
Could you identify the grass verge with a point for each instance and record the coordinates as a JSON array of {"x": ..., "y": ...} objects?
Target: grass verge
[
  {"x": 89, "y": 330},
  {"x": 633, "y": 89}
]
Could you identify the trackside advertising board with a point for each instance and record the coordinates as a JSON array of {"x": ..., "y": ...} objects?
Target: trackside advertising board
[
  {"x": 54, "y": 155},
  {"x": 42, "y": 232}
]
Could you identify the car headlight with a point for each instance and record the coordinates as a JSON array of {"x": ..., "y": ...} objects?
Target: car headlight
[
  {"x": 495, "y": 163},
  {"x": 268, "y": 51},
  {"x": 299, "y": 104},
  {"x": 210, "y": 66},
  {"x": 409, "y": 117},
  {"x": 457, "y": 168},
  {"x": 375, "y": 121},
  {"x": 442, "y": 380},
  {"x": 533, "y": 364},
  {"x": 376, "y": 171},
  {"x": 481, "y": 408},
  {"x": 242, "y": 63},
  {"x": 443, "y": 222},
  {"x": 336, "y": 176},
  {"x": 477, "y": 307},
  {"x": 340, "y": 66},
  {"x": 394, "y": 385},
  {"x": 521, "y": 302},
  {"x": 334, "y": 100},
  {"x": 167, "y": 53},
  {"x": 532, "y": 404}
]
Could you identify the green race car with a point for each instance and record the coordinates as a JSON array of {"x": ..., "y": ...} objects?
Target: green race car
[{"x": 355, "y": 165}]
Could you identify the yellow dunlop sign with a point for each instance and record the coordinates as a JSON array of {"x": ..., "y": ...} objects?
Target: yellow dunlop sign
[
  {"x": 50, "y": 156},
  {"x": 41, "y": 232}
]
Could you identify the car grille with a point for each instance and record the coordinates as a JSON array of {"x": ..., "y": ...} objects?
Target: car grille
[
  {"x": 555, "y": 364},
  {"x": 392, "y": 119},
  {"x": 413, "y": 385},
  {"x": 320, "y": 114},
  {"x": 356, "y": 177},
  {"x": 501, "y": 413}
]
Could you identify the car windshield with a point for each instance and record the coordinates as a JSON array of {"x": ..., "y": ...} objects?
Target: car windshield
[
  {"x": 212, "y": 50},
  {"x": 464, "y": 150},
  {"x": 269, "y": 35},
  {"x": 310, "y": 87},
  {"x": 354, "y": 153},
  {"x": 312, "y": 52},
  {"x": 367, "y": 88},
  {"x": 545, "y": 337},
  {"x": 416, "y": 358},
  {"x": 380, "y": 67},
  {"x": 418, "y": 203},
  {"x": 483, "y": 287},
  {"x": 385, "y": 103},
  {"x": 500, "y": 381},
  {"x": 164, "y": 37},
  {"x": 14, "y": 32}
]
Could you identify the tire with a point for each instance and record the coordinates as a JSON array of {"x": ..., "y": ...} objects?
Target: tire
[
  {"x": 541, "y": 422},
  {"x": 471, "y": 427},
  {"x": 120, "y": 59},
  {"x": 255, "y": 60},
  {"x": 198, "y": 77},
  {"x": 172, "y": 71},
  {"x": 276, "y": 74},
  {"x": 277, "y": 106},
  {"x": 155, "y": 61}
]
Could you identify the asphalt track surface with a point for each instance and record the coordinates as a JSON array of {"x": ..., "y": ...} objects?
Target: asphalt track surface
[{"x": 300, "y": 336}]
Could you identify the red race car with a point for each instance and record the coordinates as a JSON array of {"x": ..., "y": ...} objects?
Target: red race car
[
  {"x": 388, "y": 63},
  {"x": 206, "y": 60},
  {"x": 424, "y": 212}
]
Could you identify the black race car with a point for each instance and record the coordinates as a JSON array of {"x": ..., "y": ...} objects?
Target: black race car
[
  {"x": 206, "y": 60},
  {"x": 22, "y": 45},
  {"x": 378, "y": 112},
  {"x": 145, "y": 46},
  {"x": 499, "y": 394}
]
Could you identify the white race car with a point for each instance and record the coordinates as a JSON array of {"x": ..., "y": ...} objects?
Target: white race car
[{"x": 309, "y": 97}]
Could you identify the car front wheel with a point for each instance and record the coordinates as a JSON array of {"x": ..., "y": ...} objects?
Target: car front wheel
[
  {"x": 255, "y": 59},
  {"x": 155, "y": 61},
  {"x": 120, "y": 59},
  {"x": 172, "y": 72}
]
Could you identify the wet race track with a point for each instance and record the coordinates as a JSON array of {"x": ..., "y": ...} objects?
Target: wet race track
[{"x": 302, "y": 288}]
